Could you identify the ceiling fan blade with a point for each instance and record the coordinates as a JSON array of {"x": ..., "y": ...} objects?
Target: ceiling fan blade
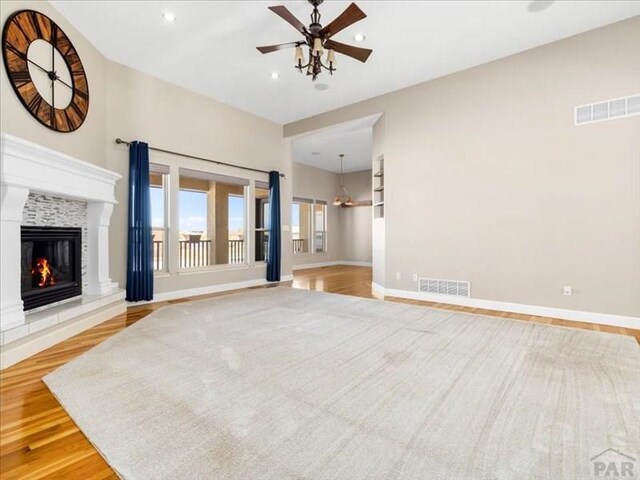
[
  {"x": 288, "y": 17},
  {"x": 275, "y": 48},
  {"x": 350, "y": 16},
  {"x": 358, "y": 53}
]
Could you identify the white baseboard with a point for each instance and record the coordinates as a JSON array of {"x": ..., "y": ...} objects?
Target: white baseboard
[
  {"x": 354, "y": 264},
  {"x": 223, "y": 287},
  {"x": 17, "y": 351},
  {"x": 331, "y": 264},
  {"x": 540, "y": 311},
  {"x": 377, "y": 291},
  {"x": 314, "y": 265}
]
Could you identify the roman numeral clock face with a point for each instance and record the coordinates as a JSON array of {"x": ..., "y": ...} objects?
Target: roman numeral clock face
[{"x": 45, "y": 70}]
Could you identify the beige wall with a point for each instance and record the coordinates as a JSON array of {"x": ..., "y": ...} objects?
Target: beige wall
[
  {"x": 355, "y": 223},
  {"x": 88, "y": 142},
  {"x": 145, "y": 108},
  {"x": 488, "y": 180},
  {"x": 316, "y": 184},
  {"x": 349, "y": 229},
  {"x": 128, "y": 104}
]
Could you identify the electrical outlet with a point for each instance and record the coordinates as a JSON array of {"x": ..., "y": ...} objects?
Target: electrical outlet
[
  {"x": 567, "y": 290},
  {"x": 415, "y": 277},
  {"x": 398, "y": 276}
]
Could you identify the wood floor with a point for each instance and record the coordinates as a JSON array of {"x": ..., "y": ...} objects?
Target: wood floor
[{"x": 39, "y": 440}]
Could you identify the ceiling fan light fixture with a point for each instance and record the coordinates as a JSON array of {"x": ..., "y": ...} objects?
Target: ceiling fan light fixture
[
  {"x": 299, "y": 57},
  {"x": 317, "y": 38},
  {"x": 317, "y": 47},
  {"x": 331, "y": 57},
  {"x": 337, "y": 202}
]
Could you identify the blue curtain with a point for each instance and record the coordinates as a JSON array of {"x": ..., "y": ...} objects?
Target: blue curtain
[
  {"x": 139, "y": 256},
  {"x": 273, "y": 259}
]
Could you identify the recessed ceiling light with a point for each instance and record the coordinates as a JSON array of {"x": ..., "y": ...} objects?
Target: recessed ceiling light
[
  {"x": 359, "y": 37},
  {"x": 275, "y": 75},
  {"x": 169, "y": 17},
  {"x": 321, "y": 86},
  {"x": 315, "y": 153}
]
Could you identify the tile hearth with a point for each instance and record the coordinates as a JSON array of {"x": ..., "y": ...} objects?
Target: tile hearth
[{"x": 41, "y": 320}]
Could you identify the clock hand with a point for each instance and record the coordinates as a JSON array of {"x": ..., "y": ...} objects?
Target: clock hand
[
  {"x": 41, "y": 68},
  {"x": 63, "y": 82},
  {"x": 48, "y": 72},
  {"x": 53, "y": 69}
]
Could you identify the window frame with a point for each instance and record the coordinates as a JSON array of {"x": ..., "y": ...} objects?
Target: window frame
[
  {"x": 310, "y": 232},
  {"x": 325, "y": 230},
  {"x": 266, "y": 229},
  {"x": 165, "y": 172},
  {"x": 223, "y": 179}
]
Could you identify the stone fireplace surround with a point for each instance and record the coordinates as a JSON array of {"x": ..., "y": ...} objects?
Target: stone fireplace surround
[{"x": 29, "y": 171}]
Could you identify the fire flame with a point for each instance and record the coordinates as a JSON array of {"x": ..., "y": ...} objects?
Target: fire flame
[{"x": 43, "y": 269}]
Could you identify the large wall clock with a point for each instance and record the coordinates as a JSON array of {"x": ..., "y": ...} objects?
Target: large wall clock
[{"x": 45, "y": 70}]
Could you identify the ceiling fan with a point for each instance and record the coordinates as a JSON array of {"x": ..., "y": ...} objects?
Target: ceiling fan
[{"x": 318, "y": 39}]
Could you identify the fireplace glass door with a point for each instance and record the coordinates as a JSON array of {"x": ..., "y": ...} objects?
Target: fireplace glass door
[{"x": 51, "y": 265}]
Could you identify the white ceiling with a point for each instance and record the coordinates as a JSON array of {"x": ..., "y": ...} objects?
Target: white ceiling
[
  {"x": 210, "y": 48},
  {"x": 320, "y": 149}
]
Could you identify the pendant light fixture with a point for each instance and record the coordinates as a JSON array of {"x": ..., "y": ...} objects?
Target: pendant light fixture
[{"x": 342, "y": 199}]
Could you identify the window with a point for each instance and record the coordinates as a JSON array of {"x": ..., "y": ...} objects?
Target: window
[
  {"x": 320, "y": 226},
  {"x": 212, "y": 219},
  {"x": 236, "y": 223},
  {"x": 262, "y": 224},
  {"x": 301, "y": 225},
  {"x": 159, "y": 186}
]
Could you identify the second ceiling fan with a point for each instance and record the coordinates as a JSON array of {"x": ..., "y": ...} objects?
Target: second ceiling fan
[{"x": 317, "y": 39}]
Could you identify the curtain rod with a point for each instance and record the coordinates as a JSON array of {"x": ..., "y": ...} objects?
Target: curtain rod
[{"x": 119, "y": 141}]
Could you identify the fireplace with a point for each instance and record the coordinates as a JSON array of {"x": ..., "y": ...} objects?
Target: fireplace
[{"x": 50, "y": 265}]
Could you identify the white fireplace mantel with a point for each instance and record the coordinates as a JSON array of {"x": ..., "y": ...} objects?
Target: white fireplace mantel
[{"x": 28, "y": 167}]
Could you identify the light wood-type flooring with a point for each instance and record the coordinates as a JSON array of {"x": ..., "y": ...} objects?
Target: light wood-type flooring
[{"x": 39, "y": 440}]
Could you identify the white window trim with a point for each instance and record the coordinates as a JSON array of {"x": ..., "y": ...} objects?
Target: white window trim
[
  {"x": 326, "y": 227},
  {"x": 312, "y": 228},
  {"x": 172, "y": 221}
]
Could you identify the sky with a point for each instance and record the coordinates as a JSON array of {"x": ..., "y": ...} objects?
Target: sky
[{"x": 193, "y": 211}]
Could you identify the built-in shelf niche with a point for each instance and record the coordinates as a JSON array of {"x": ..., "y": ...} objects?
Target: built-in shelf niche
[{"x": 378, "y": 187}]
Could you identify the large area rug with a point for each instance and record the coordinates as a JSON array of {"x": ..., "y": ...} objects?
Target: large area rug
[{"x": 284, "y": 384}]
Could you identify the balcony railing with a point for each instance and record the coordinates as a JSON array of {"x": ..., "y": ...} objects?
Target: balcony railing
[
  {"x": 194, "y": 253},
  {"x": 298, "y": 245},
  {"x": 236, "y": 251},
  {"x": 197, "y": 253},
  {"x": 158, "y": 255}
]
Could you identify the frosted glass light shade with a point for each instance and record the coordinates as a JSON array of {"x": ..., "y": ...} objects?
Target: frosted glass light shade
[
  {"x": 317, "y": 47},
  {"x": 331, "y": 57},
  {"x": 299, "y": 58}
]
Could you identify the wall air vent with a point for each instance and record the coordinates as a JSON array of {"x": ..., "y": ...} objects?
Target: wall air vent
[
  {"x": 437, "y": 286},
  {"x": 607, "y": 110}
]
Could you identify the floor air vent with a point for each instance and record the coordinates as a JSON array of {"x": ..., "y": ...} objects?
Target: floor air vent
[
  {"x": 445, "y": 287},
  {"x": 607, "y": 110}
]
